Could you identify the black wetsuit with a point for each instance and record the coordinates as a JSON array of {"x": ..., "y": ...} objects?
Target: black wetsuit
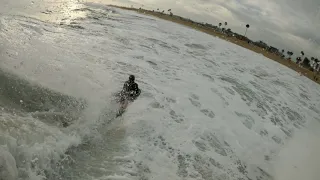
[{"x": 130, "y": 90}]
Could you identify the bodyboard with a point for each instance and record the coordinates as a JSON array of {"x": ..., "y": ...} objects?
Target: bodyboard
[{"x": 124, "y": 105}]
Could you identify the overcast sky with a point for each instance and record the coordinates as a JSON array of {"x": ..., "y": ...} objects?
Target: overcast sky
[{"x": 286, "y": 24}]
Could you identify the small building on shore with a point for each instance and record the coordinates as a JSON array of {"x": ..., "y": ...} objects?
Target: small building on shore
[
  {"x": 261, "y": 44},
  {"x": 241, "y": 37},
  {"x": 274, "y": 50}
]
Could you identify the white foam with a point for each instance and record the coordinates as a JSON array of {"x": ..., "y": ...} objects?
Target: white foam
[
  {"x": 32, "y": 143},
  {"x": 299, "y": 159},
  {"x": 145, "y": 124},
  {"x": 8, "y": 168},
  {"x": 115, "y": 177},
  {"x": 205, "y": 111}
]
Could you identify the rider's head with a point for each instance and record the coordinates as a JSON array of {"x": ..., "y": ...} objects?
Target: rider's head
[{"x": 131, "y": 78}]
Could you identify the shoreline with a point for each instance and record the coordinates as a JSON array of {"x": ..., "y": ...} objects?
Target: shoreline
[{"x": 190, "y": 24}]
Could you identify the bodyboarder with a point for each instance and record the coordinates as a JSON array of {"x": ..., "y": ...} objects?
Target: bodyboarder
[{"x": 129, "y": 93}]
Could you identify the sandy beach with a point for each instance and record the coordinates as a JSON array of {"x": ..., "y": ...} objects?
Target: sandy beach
[{"x": 300, "y": 70}]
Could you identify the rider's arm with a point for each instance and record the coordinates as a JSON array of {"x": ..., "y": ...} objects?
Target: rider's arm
[
  {"x": 125, "y": 87},
  {"x": 136, "y": 89}
]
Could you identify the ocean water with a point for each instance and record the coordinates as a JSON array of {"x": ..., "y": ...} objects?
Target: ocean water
[{"x": 208, "y": 109}]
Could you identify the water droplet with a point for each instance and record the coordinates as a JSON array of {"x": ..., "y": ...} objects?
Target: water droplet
[{"x": 21, "y": 101}]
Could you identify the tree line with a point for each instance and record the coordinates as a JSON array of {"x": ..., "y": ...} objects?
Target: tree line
[{"x": 311, "y": 63}]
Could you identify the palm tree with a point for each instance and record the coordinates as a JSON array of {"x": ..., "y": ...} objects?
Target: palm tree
[
  {"x": 312, "y": 60},
  {"x": 247, "y": 26},
  {"x": 306, "y": 62},
  {"x": 225, "y": 24},
  {"x": 220, "y": 24},
  {"x": 282, "y": 51},
  {"x": 302, "y": 60}
]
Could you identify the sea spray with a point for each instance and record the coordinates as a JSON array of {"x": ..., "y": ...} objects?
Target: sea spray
[
  {"x": 8, "y": 168},
  {"x": 300, "y": 159}
]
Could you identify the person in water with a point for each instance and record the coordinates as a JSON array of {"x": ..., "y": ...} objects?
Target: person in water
[{"x": 130, "y": 90}]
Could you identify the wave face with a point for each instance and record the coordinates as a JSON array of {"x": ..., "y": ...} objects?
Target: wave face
[{"x": 208, "y": 109}]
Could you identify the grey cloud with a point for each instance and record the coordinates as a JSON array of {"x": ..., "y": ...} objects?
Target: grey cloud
[{"x": 296, "y": 18}]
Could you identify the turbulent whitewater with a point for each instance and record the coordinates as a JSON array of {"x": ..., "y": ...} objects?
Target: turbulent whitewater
[{"x": 208, "y": 109}]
